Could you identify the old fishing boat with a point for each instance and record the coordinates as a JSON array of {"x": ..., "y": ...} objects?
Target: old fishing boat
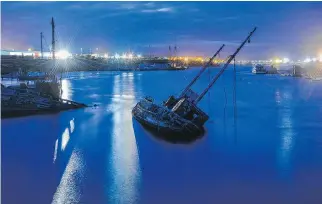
[{"x": 180, "y": 116}]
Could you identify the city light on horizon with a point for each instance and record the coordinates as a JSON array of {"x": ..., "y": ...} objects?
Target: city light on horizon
[
  {"x": 64, "y": 54},
  {"x": 116, "y": 56},
  {"x": 307, "y": 59}
]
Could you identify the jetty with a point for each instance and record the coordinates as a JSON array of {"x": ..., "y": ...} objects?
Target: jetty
[
  {"x": 22, "y": 101},
  {"x": 43, "y": 96}
]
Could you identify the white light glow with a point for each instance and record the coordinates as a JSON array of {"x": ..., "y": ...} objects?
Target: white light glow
[
  {"x": 286, "y": 60},
  {"x": 130, "y": 56},
  {"x": 314, "y": 59},
  {"x": 307, "y": 60},
  {"x": 47, "y": 54},
  {"x": 63, "y": 54},
  {"x": 139, "y": 56},
  {"x": 124, "y": 56},
  {"x": 278, "y": 61},
  {"x": 117, "y": 56},
  {"x": 106, "y": 55}
]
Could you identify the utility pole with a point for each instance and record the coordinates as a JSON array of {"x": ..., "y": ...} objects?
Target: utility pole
[
  {"x": 41, "y": 49},
  {"x": 53, "y": 36}
]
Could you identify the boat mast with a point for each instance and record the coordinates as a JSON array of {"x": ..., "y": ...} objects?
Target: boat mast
[
  {"x": 53, "y": 36},
  {"x": 41, "y": 49},
  {"x": 53, "y": 50},
  {"x": 202, "y": 70},
  {"x": 224, "y": 67}
]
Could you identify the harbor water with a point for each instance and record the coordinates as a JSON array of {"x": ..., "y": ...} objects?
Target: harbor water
[{"x": 267, "y": 151}]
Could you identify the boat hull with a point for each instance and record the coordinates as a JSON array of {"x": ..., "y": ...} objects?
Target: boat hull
[
  {"x": 254, "y": 71},
  {"x": 179, "y": 128}
]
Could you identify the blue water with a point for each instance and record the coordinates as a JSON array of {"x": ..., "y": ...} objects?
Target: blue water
[{"x": 271, "y": 153}]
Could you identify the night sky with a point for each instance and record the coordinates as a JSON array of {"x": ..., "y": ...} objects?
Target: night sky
[{"x": 285, "y": 29}]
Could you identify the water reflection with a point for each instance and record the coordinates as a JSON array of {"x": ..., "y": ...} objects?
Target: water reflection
[
  {"x": 285, "y": 124},
  {"x": 68, "y": 190},
  {"x": 66, "y": 89},
  {"x": 55, "y": 151},
  {"x": 124, "y": 160},
  {"x": 72, "y": 125},
  {"x": 65, "y": 139}
]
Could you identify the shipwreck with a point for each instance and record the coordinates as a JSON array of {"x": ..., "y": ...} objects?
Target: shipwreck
[{"x": 180, "y": 117}]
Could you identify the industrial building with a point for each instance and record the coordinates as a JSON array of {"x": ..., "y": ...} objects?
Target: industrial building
[{"x": 25, "y": 53}]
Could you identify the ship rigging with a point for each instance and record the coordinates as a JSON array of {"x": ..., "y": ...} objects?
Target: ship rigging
[{"x": 180, "y": 117}]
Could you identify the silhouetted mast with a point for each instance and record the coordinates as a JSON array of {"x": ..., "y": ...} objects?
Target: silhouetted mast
[
  {"x": 53, "y": 36},
  {"x": 41, "y": 49},
  {"x": 224, "y": 67}
]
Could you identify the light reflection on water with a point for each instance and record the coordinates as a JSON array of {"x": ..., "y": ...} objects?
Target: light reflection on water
[
  {"x": 66, "y": 88},
  {"x": 65, "y": 139},
  {"x": 55, "y": 151},
  {"x": 72, "y": 125},
  {"x": 125, "y": 170},
  {"x": 285, "y": 124},
  {"x": 68, "y": 190}
]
